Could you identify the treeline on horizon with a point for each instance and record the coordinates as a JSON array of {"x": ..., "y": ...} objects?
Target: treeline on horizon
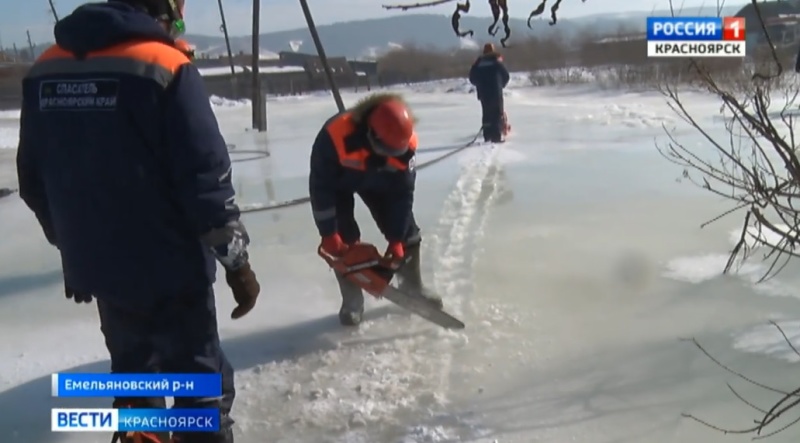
[{"x": 623, "y": 51}]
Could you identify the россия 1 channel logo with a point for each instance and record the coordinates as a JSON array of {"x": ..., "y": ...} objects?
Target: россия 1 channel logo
[{"x": 695, "y": 37}]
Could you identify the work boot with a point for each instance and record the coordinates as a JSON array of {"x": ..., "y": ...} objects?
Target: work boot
[
  {"x": 352, "y": 309},
  {"x": 410, "y": 277}
]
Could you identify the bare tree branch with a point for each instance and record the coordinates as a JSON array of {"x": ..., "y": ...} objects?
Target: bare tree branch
[
  {"x": 756, "y": 168},
  {"x": 499, "y": 13},
  {"x": 769, "y": 416}
]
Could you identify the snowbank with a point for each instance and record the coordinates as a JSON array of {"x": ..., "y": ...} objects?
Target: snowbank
[
  {"x": 9, "y": 115},
  {"x": 9, "y": 136},
  {"x": 222, "y": 102}
]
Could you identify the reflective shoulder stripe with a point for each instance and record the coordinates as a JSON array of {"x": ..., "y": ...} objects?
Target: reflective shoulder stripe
[
  {"x": 53, "y": 52},
  {"x": 395, "y": 164},
  {"x": 153, "y": 60},
  {"x": 343, "y": 126},
  {"x": 339, "y": 129}
]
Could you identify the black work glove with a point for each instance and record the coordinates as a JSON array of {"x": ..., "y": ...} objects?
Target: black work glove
[
  {"x": 78, "y": 297},
  {"x": 245, "y": 289}
]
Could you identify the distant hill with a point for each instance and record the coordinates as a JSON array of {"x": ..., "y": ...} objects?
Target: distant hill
[
  {"x": 369, "y": 38},
  {"x": 365, "y": 38}
]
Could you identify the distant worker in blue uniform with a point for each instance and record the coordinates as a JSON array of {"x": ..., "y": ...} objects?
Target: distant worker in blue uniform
[
  {"x": 122, "y": 162},
  {"x": 369, "y": 150},
  {"x": 797, "y": 63},
  {"x": 490, "y": 76}
]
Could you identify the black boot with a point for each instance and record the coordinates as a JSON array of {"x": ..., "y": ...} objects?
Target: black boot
[
  {"x": 410, "y": 279},
  {"x": 352, "y": 309}
]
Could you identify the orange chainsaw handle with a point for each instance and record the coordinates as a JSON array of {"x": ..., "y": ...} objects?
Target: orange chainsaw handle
[
  {"x": 364, "y": 266},
  {"x": 341, "y": 265}
]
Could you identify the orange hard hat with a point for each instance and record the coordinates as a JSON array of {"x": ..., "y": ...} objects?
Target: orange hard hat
[{"x": 391, "y": 128}]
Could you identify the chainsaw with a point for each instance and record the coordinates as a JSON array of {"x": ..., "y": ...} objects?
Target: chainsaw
[{"x": 364, "y": 265}]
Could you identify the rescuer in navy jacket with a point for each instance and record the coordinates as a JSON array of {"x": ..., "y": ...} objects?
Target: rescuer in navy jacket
[
  {"x": 797, "y": 63},
  {"x": 489, "y": 76},
  {"x": 369, "y": 150},
  {"x": 121, "y": 160}
]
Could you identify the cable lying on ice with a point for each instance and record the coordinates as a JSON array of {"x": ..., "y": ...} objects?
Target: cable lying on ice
[
  {"x": 255, "y": 154},
  {"x": 257, "y": 207}
]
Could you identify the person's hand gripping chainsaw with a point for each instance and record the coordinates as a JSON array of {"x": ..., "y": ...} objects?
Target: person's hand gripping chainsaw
[{"x": 393, "y": 258}]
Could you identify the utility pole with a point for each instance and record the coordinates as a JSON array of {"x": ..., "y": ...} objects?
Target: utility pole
[
  {"x": 258, "y": 99},
  {"x": 16, "y": 53},
  {"x": 312, "y": 28},
  {"x": 30, "y": 45},
  {"x": 224, "y": 28},
  {"x": 53, "y": 10}
]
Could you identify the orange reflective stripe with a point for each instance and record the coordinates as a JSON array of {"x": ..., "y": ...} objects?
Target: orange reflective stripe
[
  {"x": 54, "y": 52},
  {"x": 340, "y": 128},
  {"x": 396, "y": 164},
  {"x": 157, "y": 53},
  {"x": 153, "y": 60}
]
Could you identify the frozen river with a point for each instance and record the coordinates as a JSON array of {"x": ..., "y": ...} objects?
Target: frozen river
[{"x": 571, "y": 252}]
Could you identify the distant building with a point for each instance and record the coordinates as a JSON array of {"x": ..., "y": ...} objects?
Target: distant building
[
  {"x": 344, "y": 73},
  {"x": 275, "y": 79},
  {"x": 628, "y": 49},
  {"x": 781, "y": 21},
  {"x": 287, "y": 73}
]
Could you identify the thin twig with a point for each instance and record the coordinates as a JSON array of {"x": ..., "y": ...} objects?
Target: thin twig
[
  {"x": 743, "y": 400},
  {"x": 737, "y": 374},
  {"x": 785, "y": 338}
]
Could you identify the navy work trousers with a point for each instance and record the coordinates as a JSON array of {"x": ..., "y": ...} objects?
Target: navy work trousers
[
  {"x": 178, "y": 335},
  {"x": 492, "y": 120},
  {"x": 379, "y": 209}
]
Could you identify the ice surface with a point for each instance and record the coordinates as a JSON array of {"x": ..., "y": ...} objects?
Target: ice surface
[
  {"x": 570, "y": 252},
  {"x": 9, "y": 129}
]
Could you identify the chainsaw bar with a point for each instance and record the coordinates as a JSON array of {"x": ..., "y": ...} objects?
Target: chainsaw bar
[{"x": 422, "y": 308}]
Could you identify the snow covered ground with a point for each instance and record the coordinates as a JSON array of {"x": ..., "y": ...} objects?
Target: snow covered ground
[{"x": 572, "y": 254}]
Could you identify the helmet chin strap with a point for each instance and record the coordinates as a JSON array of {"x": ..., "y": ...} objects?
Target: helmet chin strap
[{"x": 175, "y": 19}]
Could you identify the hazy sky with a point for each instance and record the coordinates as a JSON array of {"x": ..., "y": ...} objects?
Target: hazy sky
[{"x": 202, "y": 16}]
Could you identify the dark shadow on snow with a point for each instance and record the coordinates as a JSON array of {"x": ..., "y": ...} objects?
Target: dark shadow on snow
[{"x": 26, "y": 408}]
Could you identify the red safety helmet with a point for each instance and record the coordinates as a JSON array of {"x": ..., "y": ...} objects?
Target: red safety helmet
[{"x": 391, "y": 128}]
